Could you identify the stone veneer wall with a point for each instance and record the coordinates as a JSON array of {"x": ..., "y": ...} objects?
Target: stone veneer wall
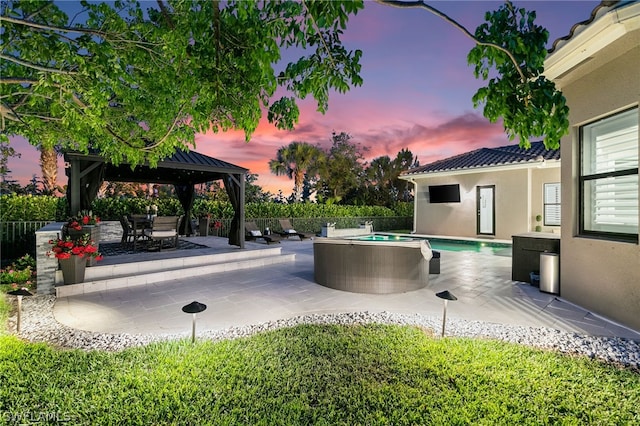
[{"x": 46, "y": 266}]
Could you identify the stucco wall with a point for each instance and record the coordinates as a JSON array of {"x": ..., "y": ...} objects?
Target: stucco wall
[
  {"x": 600, "y": 275},
  {"x": 538, "y": 178},
  {"x": 513, "y": 210}
]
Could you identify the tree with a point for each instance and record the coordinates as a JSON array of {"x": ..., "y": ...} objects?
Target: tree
[
  {"x": 509, "y": 42},
  {"x": 7, "y": 185},
  {"x": 99, "y": 83},
  {"x": 342, "y": 171},
  {"x": 404, "y": 161},
  {"x": 49, "y": 168},
  {"x": 254, "y": 193},
  {"x": 384, "y": 186},
  {"x": 137, "y": 85},
  {"x": 294, "y": 161}
]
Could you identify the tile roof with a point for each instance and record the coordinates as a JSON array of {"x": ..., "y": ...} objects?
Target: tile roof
[
  {"x": 601, "y": 9},
  {"x": 488, "y": 157}
]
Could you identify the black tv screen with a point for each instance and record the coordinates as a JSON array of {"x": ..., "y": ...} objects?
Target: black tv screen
[{"x": 444, "y": 193}]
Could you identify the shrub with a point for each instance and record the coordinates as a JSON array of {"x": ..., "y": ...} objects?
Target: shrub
[{"x": 21, "y": 273}]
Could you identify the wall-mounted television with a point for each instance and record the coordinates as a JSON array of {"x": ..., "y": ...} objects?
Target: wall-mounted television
[{"x": 444, "y": 193}]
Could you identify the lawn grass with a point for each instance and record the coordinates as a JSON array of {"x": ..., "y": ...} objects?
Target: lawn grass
[{"x": 316, "y": 374}]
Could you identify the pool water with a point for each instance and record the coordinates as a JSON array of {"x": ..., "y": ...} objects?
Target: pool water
[
  {"x": 447, "y": 244},
  {"x": 463, "y": 245},
  {"x": 375, "y": 237}
]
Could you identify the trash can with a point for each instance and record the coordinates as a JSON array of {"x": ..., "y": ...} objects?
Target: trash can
[{"x": 550, "y": 273}]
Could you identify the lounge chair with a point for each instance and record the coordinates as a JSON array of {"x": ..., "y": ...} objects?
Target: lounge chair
[
  {"x": 289, "y": 231},
  {"x": 253, "y": 233},
  {"x": 164, "y": 228}
]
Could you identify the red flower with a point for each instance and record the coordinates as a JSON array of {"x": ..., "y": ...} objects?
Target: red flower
[
  {"x": 85, "y": 220},
  {"x": 83, "y": 246},
  {"x": 75, "y": 225}
]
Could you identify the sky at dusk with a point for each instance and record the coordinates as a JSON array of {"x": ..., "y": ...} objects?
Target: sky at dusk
[{"x": 416, "y": 93}]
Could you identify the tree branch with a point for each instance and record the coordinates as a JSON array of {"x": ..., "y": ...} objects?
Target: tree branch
[
  {"x": 169, "y": 131},
  {"x": 104, "y": 35},
  {"x": 315, "y": 26},
  {"x": 422, "y": 5},
  {"x": 35, "y": 66},
  {"x": 17, "y": 80}
]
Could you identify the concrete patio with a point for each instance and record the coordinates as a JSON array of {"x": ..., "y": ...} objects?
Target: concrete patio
[{"x": 248, "y": 296}]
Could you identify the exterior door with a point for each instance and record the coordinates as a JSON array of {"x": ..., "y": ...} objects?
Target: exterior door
[{"x": 486, "y": 206}]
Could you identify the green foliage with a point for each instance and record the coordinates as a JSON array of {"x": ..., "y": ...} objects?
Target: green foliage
[
  {"x": 297, "y": 160},
  {"x": 28, "y": 207},
  {"x": 4, "y": 313},
  {"x": 97, "y": 79},
  {"x": 529, "y": 104},
  {"x": 403, "y": 209},
  {"x": 317, "y": 374},
  {"x": 342, "y": 171},
  {"x": 20, "y": 274}
]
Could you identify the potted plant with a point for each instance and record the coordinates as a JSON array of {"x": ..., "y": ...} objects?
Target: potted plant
[
  {"x": 72, "y": 256},
  {"x": 85, "y": 222},
  {"x": 538, "y": 226},
  {"x": 203, "y": 225}
]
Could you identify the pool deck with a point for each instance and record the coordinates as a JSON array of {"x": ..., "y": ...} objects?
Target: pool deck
[{"x": 481, "y": 282}]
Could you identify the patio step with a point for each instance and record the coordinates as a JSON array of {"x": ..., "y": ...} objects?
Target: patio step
[{"x": 109, "y": 277}]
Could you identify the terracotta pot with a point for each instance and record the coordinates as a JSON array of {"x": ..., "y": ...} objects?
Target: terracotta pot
[{"x": 73, "y": 269}]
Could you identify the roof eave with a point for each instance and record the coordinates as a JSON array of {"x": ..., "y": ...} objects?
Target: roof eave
[
  {"x": 547, "y": 164},
  {"x": 592, "y": 39}
]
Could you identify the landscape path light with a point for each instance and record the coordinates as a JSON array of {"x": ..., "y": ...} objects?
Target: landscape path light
[
  {"x": 194, "y": 308},
  {"x": 445, "y": 296},
  {"x": 20, "y": 292}
]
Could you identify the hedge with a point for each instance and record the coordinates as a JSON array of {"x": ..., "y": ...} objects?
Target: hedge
[{"x": 28, "y": 208}]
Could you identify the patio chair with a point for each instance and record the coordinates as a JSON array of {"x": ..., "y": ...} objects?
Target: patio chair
[
  {"x": 164, "y": 228},
  {"x": 253, "y": 233},
  {"x": 131, "y": 232},
  {"x": 289, "y": 231}
]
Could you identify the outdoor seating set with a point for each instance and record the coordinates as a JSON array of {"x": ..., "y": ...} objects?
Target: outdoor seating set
[
  {"x": 253, "y": 233},
  {"x": 153, "y": 231}
]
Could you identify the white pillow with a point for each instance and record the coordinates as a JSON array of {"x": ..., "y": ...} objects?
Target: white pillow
[
  {"x": 256, "y": 233},
  {"x": 290, "y": 231}
]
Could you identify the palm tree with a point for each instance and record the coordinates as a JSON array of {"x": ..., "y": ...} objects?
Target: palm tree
[
  {"x": 49, "y": 167},
  {"x": 295, "y": 160}
]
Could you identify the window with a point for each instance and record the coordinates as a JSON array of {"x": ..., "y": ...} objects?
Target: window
[
  {"x": 609, "y": 177},
  {"x": 552, "y": 204}
]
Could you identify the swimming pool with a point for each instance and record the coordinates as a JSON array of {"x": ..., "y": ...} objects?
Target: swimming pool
[{"x": 446, "y": 244}]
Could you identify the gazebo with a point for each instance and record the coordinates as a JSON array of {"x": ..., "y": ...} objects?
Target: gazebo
[{"x": 184, "y": 170}]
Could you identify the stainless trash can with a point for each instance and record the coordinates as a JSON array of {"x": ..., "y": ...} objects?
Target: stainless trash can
[{"x": 550, "y": 272}]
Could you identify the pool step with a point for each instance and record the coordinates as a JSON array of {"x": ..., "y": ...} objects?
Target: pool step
[{"x": 115, "y": 276}]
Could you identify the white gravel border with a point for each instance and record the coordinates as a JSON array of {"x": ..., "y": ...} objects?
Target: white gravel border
[{"x": 39, "y": 325}]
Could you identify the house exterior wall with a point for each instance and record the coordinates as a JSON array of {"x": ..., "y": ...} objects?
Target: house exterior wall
[
  {"x": 600, "y": 275},
  {"x": 538, "y": 178},
  {"x": 515, "y": 209}
]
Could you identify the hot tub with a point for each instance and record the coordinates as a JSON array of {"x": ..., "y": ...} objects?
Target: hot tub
[{"x": 371, "y": 266}]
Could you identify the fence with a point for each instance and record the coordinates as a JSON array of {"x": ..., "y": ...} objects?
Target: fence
[{"x": 18, "y": 239}]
